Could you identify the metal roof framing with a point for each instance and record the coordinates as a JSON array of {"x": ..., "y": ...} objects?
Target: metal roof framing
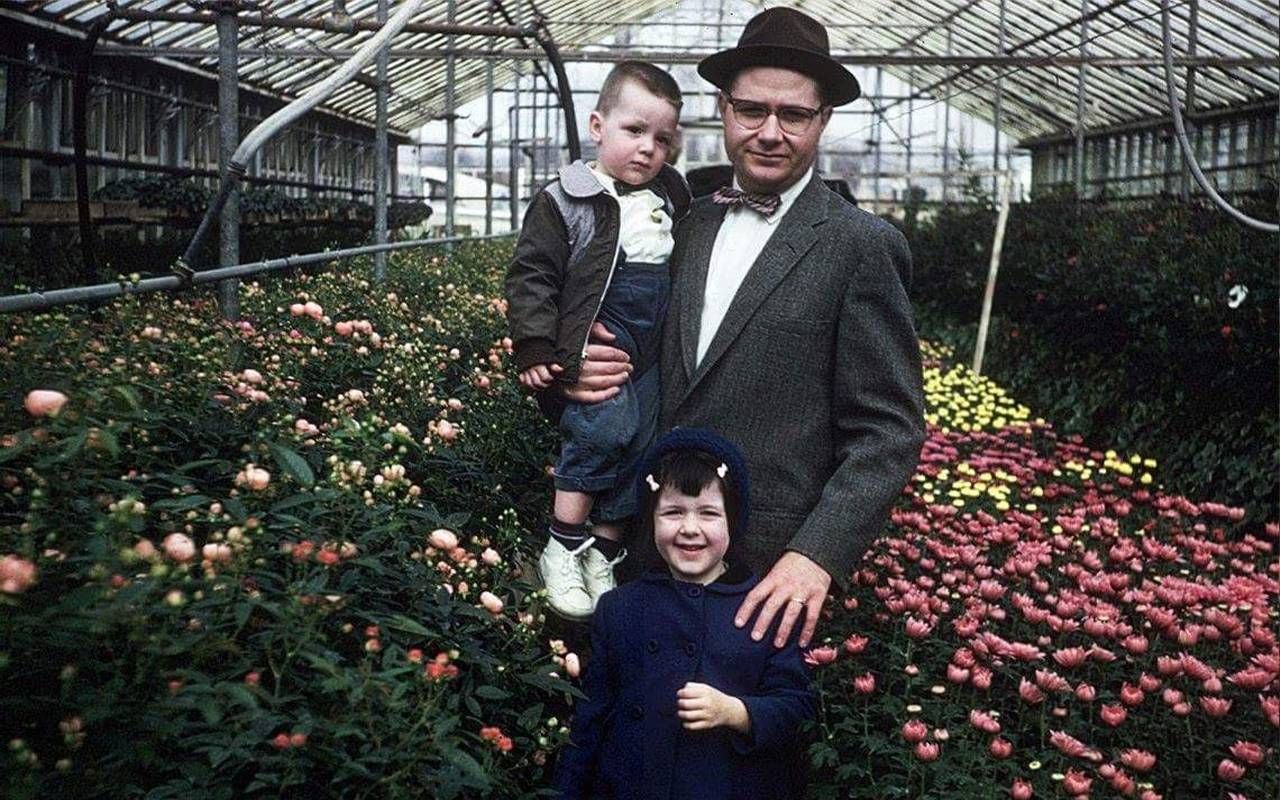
[{"x": 1037, "y": 99}]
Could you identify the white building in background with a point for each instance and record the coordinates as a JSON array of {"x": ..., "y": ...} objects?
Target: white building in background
[{"x": 428, "y": 182}]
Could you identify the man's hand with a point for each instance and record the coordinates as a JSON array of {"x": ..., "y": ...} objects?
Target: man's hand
[
  {"x": 795, "y": 584},
  {"x": 703, "y": 707},
  {"x": 604, "y": 370},
  {"x": 539, "y": 376}
]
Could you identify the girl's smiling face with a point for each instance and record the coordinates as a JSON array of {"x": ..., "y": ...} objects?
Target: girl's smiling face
[{"x": 692, "y": 533}]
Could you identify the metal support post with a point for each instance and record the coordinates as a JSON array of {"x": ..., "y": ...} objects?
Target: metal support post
[
  {"x": 875, "y": 181},
  {"x": 533, "y": 143},
  {"x": 549, "y": 167},
  {"x": 380, "y": 158},
  {"x": 911, "y": 83},
  {"x": 513, "y": 134},
  {"x": 228, "y": 140},
  {"x": 946, "y": 131},
  {"x": 1080, "y": 98},
  {"x": 315, "y": 153},
  {"x": 1193, "y": 35},
  {"x": 999, "y": 100},
  {"x": 451, "y": 133},
  {"x": 488, "y": 142}
]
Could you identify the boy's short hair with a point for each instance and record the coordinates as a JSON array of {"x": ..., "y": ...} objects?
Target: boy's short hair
[
  {"x": 654, "y": 80},
  {"x": 690, "y": 471}
]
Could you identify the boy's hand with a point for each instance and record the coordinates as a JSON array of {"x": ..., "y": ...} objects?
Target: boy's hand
[
  {"x": 540, "y": 376},
  {"x": 703, "y": 707}
]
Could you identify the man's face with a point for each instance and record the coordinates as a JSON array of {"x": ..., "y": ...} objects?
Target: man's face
[
  {"x": 769, "y": 159},
  {"x": 635, "y": 135}
]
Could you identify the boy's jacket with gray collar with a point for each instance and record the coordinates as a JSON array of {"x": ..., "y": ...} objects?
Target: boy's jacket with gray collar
[{"x": 565, "y": 257}]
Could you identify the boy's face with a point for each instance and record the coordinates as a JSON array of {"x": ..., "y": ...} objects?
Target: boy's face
[
  {"x": 691, "y": 533},
  {"x": 635, "y": 136}
]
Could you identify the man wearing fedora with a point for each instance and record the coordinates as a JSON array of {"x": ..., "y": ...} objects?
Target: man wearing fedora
[{"x": 790, "y": 331}]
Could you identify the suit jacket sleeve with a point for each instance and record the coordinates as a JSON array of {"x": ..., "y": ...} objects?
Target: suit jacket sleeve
[
  {"x": 782, "y": 702},
  {"x": 576, "y": 766},
  {"x": 877, "y": 407},
  {"x": 533, "y": 283}
]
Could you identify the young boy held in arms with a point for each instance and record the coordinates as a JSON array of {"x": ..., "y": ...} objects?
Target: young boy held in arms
[{"x": 594, "y": 247}]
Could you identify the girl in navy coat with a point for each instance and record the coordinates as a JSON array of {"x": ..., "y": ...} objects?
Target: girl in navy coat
[{"x": 680, "y": 703}]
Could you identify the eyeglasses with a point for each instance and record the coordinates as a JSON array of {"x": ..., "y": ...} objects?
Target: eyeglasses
[{"x": 794, "y": 120}]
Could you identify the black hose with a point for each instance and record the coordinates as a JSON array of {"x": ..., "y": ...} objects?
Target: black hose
[
  {"x": 229, "y": 183},
  {"x": 563, "y": 90}
]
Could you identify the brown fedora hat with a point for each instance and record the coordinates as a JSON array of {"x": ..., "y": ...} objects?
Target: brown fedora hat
[{"x": 784, "y": 37}]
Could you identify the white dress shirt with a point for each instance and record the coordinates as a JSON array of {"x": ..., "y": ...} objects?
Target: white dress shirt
[
  {"x": 644, "y": 227},
  {"x": 741, "y": 238}
]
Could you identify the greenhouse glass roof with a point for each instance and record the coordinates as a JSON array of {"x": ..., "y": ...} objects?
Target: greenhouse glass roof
[{"x": 1037, "y": 99}]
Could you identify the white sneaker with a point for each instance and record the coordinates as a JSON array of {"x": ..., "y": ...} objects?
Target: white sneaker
[
  {"x": 561, "y": 570},
  {"x": 597, "y": 573}
]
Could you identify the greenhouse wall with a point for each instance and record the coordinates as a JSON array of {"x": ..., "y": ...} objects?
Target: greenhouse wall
[
  {"x": 151, "y": 116},
  {"x": 1236, "y": 149}
]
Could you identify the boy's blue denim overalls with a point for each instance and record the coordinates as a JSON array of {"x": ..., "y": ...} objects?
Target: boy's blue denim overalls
[{"x": 604, "y": 442}]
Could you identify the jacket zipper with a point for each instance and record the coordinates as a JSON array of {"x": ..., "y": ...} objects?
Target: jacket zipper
[{"x": 617, "y": 248}]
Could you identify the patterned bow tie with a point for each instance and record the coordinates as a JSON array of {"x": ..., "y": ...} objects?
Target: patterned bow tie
[{"x": 764, "y": 204}]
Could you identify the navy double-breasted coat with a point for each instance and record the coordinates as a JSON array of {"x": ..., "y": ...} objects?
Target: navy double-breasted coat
[{"x": 649, "y": 638}]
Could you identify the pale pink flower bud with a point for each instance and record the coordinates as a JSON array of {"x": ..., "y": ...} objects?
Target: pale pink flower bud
[
  {"x": 16, "y": 574},
  {"x": 491, "y": 602},
  {"x": 443, "y": 539},
  {"x": 446, "y": 430},
  {"x": 179, "y": 547},
  {"x": 44, "y": 402}
]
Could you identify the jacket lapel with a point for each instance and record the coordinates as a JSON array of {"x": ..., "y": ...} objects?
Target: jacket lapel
[
  {"x": 691, "y": 279},
  {"x": 792, "y": 239}
]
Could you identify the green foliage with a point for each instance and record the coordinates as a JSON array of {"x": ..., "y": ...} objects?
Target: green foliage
[
  {"x": 1118, "y": 323},
  {"x": 312, "y": 606}
]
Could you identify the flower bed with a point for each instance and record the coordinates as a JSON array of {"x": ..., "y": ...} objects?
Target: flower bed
[
  {"x": 1043, "y": 620},
  {"x": 1148, "y": 327},
  {"x": 282, "y": 558},
  {"x": 277, "y": 557}
]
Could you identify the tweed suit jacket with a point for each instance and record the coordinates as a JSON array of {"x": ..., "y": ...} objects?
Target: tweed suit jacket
[{"x": 814, "y": 372}]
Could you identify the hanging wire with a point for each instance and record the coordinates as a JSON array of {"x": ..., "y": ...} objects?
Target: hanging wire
[{"x": 1188, "y": 154}]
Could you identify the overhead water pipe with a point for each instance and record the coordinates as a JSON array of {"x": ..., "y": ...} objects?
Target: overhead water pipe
[
  {"x": 41, "y": 301},
  {"x": 1180, "y": 129},
  {"x": 285, "y": 117}
]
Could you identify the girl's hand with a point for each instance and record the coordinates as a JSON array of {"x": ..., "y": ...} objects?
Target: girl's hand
[
  {"x": 702, "y": 707},
  {"x": 539, "y": 376}
]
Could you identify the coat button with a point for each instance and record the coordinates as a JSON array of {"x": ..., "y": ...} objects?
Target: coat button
[
  {"x": 690, "y": 648},
  {"x": 652, "y": 645},
  {"x": 695, "y": 591},
  {"x": 637, "y": 712}
]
